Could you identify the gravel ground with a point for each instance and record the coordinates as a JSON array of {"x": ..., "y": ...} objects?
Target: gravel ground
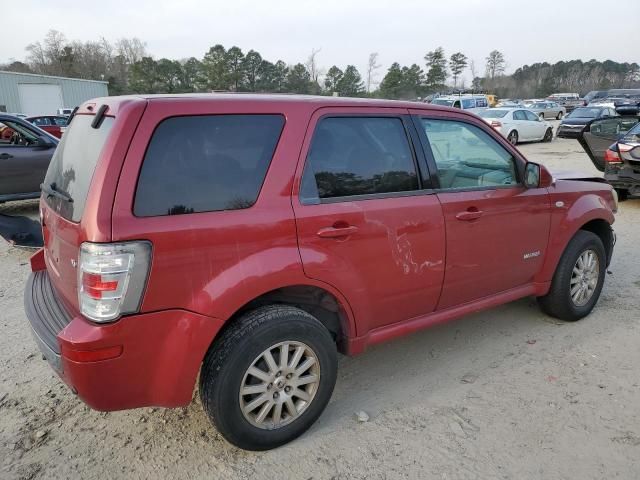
[{"x": 508, "y": 393}]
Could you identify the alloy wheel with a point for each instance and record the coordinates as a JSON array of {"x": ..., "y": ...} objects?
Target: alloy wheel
[
  {"x": 584, "y": 278},
  {"x": 279, "y": 385}
]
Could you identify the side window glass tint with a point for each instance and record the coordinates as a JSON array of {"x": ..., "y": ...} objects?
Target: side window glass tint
[
  {"x": 358, "y": 156},
  {"x": 531, "y": 116},
  {"x": 206, "y": 163},
  {"x": 467, "y": 157},
  {"x": 17, "y": 135}
]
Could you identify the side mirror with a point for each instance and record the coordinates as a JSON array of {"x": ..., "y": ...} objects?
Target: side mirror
[
  {"x": 537, "y": 176},
  {"x": 44, "y": 142}
]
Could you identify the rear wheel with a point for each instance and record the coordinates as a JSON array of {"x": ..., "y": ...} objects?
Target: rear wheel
[
  {"x": 578, "y": 279},
  {"x": 513, "y": 137},
  {"x": 559, "y": 116},
  {"x": 548, "y": 135},
  {"x": 541, "y": 116},
  {"x": 269, "y": 377}
]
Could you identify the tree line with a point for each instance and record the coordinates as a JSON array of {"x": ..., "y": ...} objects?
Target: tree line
[{"x": 129, "y": 68}]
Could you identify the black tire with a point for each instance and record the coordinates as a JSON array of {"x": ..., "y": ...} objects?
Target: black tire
[
  {"x": 229, "y": 358},
  {"x": 559, "y": 116},
  {"x": 558, "y": 302},
  {"x": 513, "y": 137},
  {"x": 622, "y": 194},
  {"x": 548, "y": 135}
]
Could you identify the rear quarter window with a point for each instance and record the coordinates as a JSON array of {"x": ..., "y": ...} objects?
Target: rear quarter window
[{"x": 206, "y": 163}]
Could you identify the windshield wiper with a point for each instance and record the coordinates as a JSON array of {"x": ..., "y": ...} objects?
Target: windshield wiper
[{"x": 51, "y": 191}]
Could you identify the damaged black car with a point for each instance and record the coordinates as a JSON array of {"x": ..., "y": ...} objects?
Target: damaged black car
[{"x": 613, "y": 145}]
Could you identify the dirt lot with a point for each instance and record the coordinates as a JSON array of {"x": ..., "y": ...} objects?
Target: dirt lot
[{"x": 507, "y": 393}]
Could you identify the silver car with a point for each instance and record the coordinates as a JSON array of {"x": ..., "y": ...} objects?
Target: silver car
[{"x": 548, "y": 110}]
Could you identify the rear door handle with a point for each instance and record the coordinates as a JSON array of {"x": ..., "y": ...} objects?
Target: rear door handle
[
  {"x": 468, "y": 215},
  {"x": 336, "y": 232},
  {"x": 5, "y": 156}
]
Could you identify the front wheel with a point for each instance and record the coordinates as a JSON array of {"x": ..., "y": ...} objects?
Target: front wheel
[
  {"x": 578, "y": 279},
  {"x": 269, "y": 377},
  {"x": 559, "y": 116},
  {"x": 513, "y": 137}
]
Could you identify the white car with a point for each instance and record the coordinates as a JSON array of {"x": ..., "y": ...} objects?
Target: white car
[{"x": 518, "y": 124}]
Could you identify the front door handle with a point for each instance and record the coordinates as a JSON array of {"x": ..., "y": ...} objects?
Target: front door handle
[
  {"x": 337, "y": 232},
  {"x": 5, "y": 156},
  {"x": 470, "y": 214}
]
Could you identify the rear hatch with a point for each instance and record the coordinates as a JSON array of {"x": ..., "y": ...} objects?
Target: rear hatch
[{"x": 78, "y": 190}]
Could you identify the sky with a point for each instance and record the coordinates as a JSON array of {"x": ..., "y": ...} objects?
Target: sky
[{"x": 346, "y": 31}]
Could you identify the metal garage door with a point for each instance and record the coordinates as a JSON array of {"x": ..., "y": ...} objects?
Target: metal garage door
[{"x": 40, "y": 98}]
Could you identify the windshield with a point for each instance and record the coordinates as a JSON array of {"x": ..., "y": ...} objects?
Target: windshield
[
  {"x": 442, "y": 101},
  {"x": 493, "y": 113},
  {"x": 585, "y": 113},
  {"x": 73, "y": 164}
]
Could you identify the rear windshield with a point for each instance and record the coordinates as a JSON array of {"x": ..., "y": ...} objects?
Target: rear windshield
[
  {"x": 493, "y": 113},
  {"x": 73, "y": 164},
  {"x": 206, "y": 163}
]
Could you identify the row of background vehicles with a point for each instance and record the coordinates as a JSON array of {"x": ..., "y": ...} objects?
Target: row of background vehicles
[
  {"x": 27, "y": 143},
  {"x": 606, "y": 123}
]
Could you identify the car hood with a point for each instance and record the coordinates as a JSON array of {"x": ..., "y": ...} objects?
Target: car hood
[
  {"x": 576, "y": 121},
  {"x": 575, "y": 175}
]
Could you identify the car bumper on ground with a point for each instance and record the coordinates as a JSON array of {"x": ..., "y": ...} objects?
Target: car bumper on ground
[{"x": 149, "y": 359}]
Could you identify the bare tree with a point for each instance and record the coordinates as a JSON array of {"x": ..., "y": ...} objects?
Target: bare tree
[
  {"x": 313, "y": 69},
  {"x": 472, "y": 67},
  {"x": 51, "y": 56},
  {"x": 372, "y": 66},
  {"x": 132, "y": 50}
]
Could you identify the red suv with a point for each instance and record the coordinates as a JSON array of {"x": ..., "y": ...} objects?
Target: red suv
[{"x": 247, "y": 239}]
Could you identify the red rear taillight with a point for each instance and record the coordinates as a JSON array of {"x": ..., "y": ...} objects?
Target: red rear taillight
[
  {"x": 112, "y": 278},
  {"x": 611, "y": 156},
  {"x": 94, "y": 285},
  {"x": 495, "y": 124}
]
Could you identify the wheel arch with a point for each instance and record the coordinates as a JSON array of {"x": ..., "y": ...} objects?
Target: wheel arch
[{"x": 325, "y": 304}]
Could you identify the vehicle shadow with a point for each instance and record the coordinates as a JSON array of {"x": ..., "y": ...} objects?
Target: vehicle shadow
[{"x": 424, "y": 366}]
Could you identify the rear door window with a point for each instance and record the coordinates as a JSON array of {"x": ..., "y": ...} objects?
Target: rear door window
[
  {"x": 206, "y": 163},
  {"x": 352, "y": 156},
  {"x": 531, "y": 116}
]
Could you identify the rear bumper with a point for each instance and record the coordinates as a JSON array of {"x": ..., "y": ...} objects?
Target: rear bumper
[
  {"x": 150, "y": 359},
  {"x": 623, "y": 177}
]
